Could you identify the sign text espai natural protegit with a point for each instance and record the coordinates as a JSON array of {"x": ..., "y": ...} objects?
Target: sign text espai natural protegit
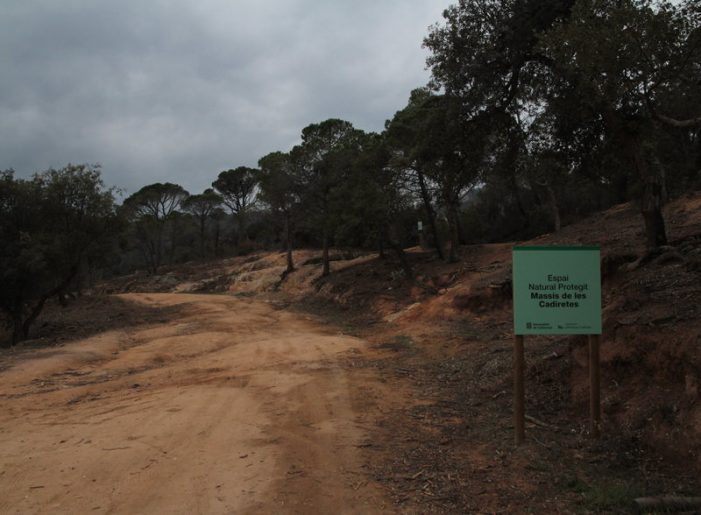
[{"x": 557, "y": 290}]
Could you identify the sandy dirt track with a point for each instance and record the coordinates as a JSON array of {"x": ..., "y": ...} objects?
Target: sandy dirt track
[{"x": 226, "y": 406}]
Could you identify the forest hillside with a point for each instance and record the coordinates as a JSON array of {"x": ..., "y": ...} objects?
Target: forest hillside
[{"x": 447, "y": 336}]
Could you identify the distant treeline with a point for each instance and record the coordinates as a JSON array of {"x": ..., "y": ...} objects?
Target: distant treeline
[{"x": 538, "y": 112}]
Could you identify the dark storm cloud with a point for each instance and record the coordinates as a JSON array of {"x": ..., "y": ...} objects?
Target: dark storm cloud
[{"x": 177, "y": 91}]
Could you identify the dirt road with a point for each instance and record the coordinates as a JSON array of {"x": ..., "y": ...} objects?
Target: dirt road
[{"x": 225, "y": 406}]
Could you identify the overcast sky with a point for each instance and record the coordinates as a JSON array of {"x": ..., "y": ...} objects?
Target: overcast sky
[{"x": 178, "y": 91}]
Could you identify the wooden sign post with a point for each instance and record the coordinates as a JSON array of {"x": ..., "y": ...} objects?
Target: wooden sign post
[
  {"x": 519, "y": 390},
  {"x": 556, "y": 290},
  {"x": 594, "y": 386}
]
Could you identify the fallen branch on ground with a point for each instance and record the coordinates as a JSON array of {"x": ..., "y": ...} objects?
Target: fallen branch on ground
[
  {"x": 667, "y": 503},
  {"x": 541, "y": 423}
]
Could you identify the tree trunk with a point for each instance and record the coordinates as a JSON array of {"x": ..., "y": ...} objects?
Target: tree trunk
[
  {"x": 242, "y": 236},
  {"x": 698, "y": 155},
  {"x": 158, "y": 254},
  {"x": 652, "y": 189},
  {"x": 554, "y": 210},
  {"x": 620, "y": 185},
  {"x": 430, "y": 214},
  {"x": 651, "y": 208},
  {"x": 17, "y": 333},
  {"x": 27, "y": 324},
  {"x": 202, "y": 230},
  {"x": 217, "y": 227},
  {"x": 153, "y": 264},
  {"x": 513, "y": 152},
  {"x": 652, "y": 195},
  {"x": 401, "y": 255},
  {"x": 16, "y": 327},
  {"x": 288, "y": 243},
  {"x": 454, "y": 233},
  {"x": 150, "y": 252},
  {"x": 173, "y": 233},
  {"x": 462, "y": 238},
  {"x": 519, "y": 204},
  {"x": 326, "y": 270},
  {"x": 21, "y": 327}
]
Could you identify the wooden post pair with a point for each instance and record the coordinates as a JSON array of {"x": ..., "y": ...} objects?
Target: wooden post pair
[{"x": 519, "y": 391}]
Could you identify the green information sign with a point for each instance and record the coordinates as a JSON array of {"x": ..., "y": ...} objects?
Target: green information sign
[{"x": 557, "y": 290}]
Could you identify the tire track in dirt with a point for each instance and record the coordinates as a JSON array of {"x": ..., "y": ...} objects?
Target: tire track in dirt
[{"x": 233, "y": 406}]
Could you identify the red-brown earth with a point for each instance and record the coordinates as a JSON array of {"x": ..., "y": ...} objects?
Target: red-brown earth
[{"x": 220, "y": 388}]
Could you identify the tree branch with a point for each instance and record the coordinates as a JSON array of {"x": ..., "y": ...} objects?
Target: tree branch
[
  {"x": 681, "y": 124},
  {"x": 668, "y": 120}
]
